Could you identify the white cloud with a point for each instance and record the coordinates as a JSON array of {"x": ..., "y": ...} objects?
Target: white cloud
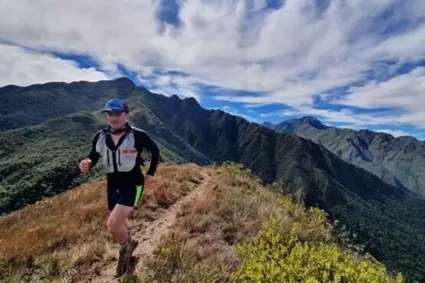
[
  {"x": 23, "y": 67},
  {"x": 402, "y": 91},
  {"x": 290, "y": 54},
  {"x": 272, "y": 51},
  {"x": 405, "y": 93},
  {"x": 395, "y": 133},
  {"x": 183, "y": 86},
  {"x": 235, "y": 112},
  {"x": 264, "y": 115},
  {"x": 344, "y": 116}
]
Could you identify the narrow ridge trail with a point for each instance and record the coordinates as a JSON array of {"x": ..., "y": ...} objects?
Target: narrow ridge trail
[{"x": 150, "y": 233}]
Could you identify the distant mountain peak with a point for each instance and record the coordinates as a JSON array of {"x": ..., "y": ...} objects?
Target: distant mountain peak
[
  {"x": 189, "y": 101},
  {"x": 9, "y": 88},
  {"x": 124, "y": 80},
  {"x": 292, "y": 125},
  {"x": 268, "y": 124},
  {"x": 314, "y": 122}
]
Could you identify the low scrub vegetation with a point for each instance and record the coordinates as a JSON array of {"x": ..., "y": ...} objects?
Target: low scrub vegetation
[
  {"x": 233, "y": 230},
  {"x": 239, "y": 231}
]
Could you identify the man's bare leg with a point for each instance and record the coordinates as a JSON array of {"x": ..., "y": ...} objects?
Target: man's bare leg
[
  {"x": 113, "y": 235},
  {"x": 127, "y": 224},
  {"x": 118, "y": 227},
  {"x": 118, "y": 224}
]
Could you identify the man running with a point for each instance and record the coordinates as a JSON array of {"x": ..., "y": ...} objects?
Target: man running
[{"x": 119, "y": 146}]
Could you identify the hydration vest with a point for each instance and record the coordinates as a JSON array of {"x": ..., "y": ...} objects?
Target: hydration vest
[{"x": 123, "y": 158}]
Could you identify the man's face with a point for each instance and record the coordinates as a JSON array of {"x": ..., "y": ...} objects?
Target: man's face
[{"x": 116, "y": 119}]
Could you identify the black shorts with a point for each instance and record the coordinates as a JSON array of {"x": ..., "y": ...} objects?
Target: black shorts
[
  {"x": 124, "y": 195},
  {"x": 125, "y": 188},
  {"x": 125, "y": 191}
]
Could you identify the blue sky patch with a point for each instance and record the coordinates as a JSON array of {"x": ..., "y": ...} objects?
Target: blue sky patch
[{"x": 293, "y": 58}]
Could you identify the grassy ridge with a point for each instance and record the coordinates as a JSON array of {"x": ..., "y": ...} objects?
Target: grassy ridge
[
  {"x": 65, "y": 236},
  {"x": 239, "y": 231}
]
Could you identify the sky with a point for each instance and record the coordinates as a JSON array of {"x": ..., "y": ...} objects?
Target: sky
[{"x": 356, "y": 64}]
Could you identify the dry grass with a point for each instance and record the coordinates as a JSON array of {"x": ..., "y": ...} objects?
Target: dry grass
[
  {"x": 73, "y": 224},
  {"x": 69, "y": 230},
  {"x": 170, "y": 184},
  {"x": 88, "y": 253},
  {"x": 54, "y": 223},
  {"x": 229, "y": 210},
  {"x": 233, "y": 206}
]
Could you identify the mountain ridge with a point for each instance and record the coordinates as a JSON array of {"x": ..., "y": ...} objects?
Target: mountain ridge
[
  {"x": 57, "y": 99},
  {"x": 397, "y": 160}
]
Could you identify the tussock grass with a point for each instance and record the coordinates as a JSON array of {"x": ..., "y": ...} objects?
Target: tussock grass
[
  {"x": 70, "y": 229},
  {"x": 213, "y": 235},
  {"x": 59, "y": 238}
]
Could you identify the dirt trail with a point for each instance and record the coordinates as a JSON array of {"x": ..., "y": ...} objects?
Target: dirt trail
[{"x": 150, "y": 233}]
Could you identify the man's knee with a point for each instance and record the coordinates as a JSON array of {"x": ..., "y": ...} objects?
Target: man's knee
[
  {"x": 117, "y": 219},
  {"x": 113, "y": 226}
]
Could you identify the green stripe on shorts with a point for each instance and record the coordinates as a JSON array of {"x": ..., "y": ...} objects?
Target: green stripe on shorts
[{"x": 138, "y": 194}]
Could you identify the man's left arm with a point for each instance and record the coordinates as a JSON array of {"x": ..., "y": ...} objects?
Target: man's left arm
[{"x": 151, "y": 145}]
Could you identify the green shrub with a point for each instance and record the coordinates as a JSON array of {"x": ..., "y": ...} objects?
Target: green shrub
[{"x": 274, "y": 257}]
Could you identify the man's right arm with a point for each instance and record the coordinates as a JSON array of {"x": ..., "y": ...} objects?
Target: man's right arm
[{"x": 93, "y": 154}]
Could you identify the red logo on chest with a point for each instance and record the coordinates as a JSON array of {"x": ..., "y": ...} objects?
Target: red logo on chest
[{"x": 129, "y": 151}]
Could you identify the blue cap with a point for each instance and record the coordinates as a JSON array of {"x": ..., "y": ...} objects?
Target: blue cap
[{"x": 115, "y": 105}]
